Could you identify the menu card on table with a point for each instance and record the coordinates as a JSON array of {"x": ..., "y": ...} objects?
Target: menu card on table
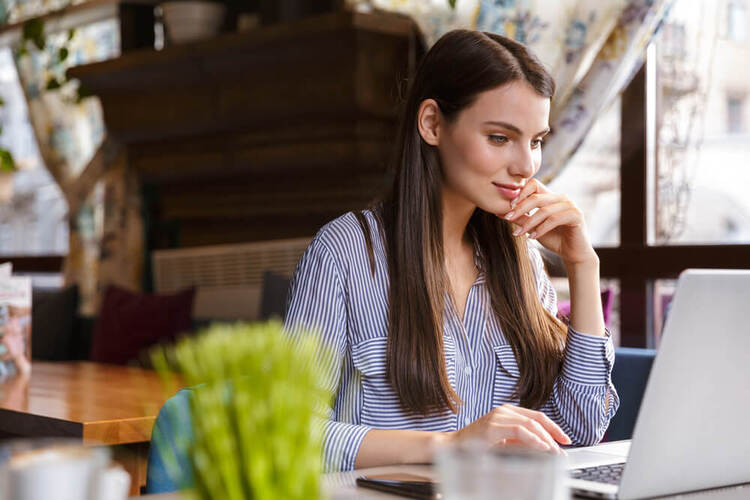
[{"x": 15, "y": 323}]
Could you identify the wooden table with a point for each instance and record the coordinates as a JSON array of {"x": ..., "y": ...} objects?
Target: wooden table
[{"x": 100, "y": 404}]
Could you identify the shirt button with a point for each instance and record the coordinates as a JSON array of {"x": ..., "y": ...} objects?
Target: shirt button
[
  {"x": 467, "y": 370},
  {"x": 467, "y": 420}
]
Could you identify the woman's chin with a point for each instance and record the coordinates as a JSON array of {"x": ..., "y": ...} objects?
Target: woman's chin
[{"x": 498, "y": 208}]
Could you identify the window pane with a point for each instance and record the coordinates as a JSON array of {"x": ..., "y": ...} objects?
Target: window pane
[
  {"x": 610, "y": 292},
  {"x": 592, "y": 178},
  {"x": 661, "y": 299},
  {"x": 736, "y": 28},
  {"x": 32, "y": 208},
  {"x": 702, "y": 135}
]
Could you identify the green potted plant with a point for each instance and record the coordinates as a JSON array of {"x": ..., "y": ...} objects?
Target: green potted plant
[{"x": 255, "y": 406}]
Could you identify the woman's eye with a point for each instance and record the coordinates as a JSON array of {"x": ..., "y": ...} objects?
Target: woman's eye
[
  {"x": 500, "y": 139},
  {"x": 536, "y": 143}
]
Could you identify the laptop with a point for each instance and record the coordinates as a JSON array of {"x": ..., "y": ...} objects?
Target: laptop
[{"x": 692, "y": 428}]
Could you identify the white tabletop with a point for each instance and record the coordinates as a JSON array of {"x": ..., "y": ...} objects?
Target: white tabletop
[{"x": 342, "y": 485}]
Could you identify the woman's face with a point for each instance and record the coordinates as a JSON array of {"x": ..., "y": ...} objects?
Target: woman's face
[{"x": 493, "y": 147}]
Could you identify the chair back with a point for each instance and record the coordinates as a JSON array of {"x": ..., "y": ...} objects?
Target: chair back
[{"x": 629, "y": 376}]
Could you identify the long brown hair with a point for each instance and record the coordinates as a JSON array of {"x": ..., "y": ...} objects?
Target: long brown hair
[{"x": 459, "y": 66}]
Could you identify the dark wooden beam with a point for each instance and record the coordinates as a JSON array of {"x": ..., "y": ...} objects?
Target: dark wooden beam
[
  {"x": 633, "y": 230},
  {"x": 667, "y": 262},
  {"x": 36, "y": 264},
  {"x": 136, "y": 26}
]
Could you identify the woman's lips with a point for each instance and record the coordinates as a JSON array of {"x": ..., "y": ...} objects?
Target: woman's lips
[{"x": 507, "y": 192}]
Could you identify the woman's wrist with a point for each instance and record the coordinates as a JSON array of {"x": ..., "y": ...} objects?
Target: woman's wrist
[
  {"x": 585, "y": 297},
  {"x": 436, "y": 441},
  {"x": 589, "y": 262}
]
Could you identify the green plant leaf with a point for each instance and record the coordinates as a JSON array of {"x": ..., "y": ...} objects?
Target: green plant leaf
[
  {"x": 2, "y": 101},
  {"x": 71, "y": 33},
  {"x": 53, "y": 83},
  {"x": 62, "y": 54},
  {"x": 6, "y": 161},
  {"x": 33, "y": 30},
  {"x": 452, "y": 3},
  {"x": 83, "y": 93}
]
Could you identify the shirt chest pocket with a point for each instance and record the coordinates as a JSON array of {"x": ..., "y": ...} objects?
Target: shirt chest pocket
[
  {"x": 506, "y": 376},
  {"x": 380, "y": 405}
]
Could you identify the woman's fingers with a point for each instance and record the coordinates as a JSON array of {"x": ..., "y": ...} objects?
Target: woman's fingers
[
  {"x": 528, "y": 223},
  {"x": 536, "y": 200},
  {"x": 531, "y": 187},
  {"x": 555, "y": 431},
  {"x": 534, "y": 427},
  {"x": 506, "y": 433},
  {"x": 512, "y": 425},
  {"x": 567, "y": 218}
]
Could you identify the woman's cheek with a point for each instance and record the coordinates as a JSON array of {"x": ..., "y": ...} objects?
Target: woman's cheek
[{"x": 488, "y": 161}]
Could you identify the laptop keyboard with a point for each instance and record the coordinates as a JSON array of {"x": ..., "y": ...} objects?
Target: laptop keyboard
[{"x": 610, "y": 474}]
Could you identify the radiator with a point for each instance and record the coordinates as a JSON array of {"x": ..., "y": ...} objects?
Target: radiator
[{"x": 228, "y": 278}]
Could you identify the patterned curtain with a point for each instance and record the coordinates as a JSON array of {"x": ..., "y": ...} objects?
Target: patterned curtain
[
  {"x": 685, "y": 75},
  {"x": 591, "y": 47},
  {"x": 106, "y": 241}
]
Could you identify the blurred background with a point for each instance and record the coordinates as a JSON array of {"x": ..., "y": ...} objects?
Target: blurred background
[{"x": 143, "y": 150}]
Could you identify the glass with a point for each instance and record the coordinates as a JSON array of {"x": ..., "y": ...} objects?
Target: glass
[
  {"x": 702, "y": 137},
  {"x": 471, "y": 471},
  {"x": 52, "y": 469},
  {"x": 592, "y": 178},
  {"x": 33, "y": 210}
]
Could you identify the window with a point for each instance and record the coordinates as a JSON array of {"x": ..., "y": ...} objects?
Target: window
[
  {"x": 736, "y": 27},
  {"x": 701, "y": 178},
  {"x": 610, "y": 290},
  {"x": 592, "y": 178},
  {"x": 662, "y": 292},
  {"x": 32, "y": 208},
  {"x": 734, "y": 115}
]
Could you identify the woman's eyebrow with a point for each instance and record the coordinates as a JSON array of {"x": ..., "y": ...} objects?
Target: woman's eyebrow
[{"x": 513, "y": 128}]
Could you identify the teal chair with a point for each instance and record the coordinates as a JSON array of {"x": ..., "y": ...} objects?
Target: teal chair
[
  {"x": 173, "y": 430},
  {"x": 170, "y": 442},
  {"x": 629, "y": 376}
]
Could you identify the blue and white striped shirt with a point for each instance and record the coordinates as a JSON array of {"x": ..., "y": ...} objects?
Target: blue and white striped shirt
[{"x": 333, "y": 290}]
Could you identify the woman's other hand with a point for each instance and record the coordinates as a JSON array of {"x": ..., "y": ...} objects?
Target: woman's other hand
[{"x": 509, "y": 425}]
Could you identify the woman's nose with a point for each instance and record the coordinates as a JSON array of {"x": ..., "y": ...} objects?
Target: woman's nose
[{"x": 523, "y": 164}]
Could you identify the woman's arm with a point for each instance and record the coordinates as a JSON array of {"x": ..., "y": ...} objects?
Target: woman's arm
[
  {"x": 585, "y": 297},
  {"x": 506, "y": 425},
  {"x": 396, "y": 447},
  {"x": 583, "y": 399}
]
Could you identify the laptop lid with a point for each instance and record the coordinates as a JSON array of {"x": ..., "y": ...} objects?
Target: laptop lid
[{"x": 692, "y": 432}]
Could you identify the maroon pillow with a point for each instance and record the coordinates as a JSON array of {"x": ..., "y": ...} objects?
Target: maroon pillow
[{"x": 130, "y": 322}]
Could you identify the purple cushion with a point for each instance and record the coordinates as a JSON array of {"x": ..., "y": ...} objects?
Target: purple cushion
[
  {"x": 130, "y": 322},
  {"x": 563, "y": 307}
]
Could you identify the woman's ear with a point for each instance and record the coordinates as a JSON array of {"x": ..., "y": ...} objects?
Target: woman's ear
[{"x": 428, "y": 121}]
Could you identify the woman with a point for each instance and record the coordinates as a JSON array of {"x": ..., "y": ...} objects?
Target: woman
[{"x": 437, "y": 306}]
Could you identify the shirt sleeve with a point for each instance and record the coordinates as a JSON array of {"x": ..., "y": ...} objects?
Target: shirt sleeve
[
  {"x": 583, "y": 399},
  {"x": 317, "y": 303}
]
